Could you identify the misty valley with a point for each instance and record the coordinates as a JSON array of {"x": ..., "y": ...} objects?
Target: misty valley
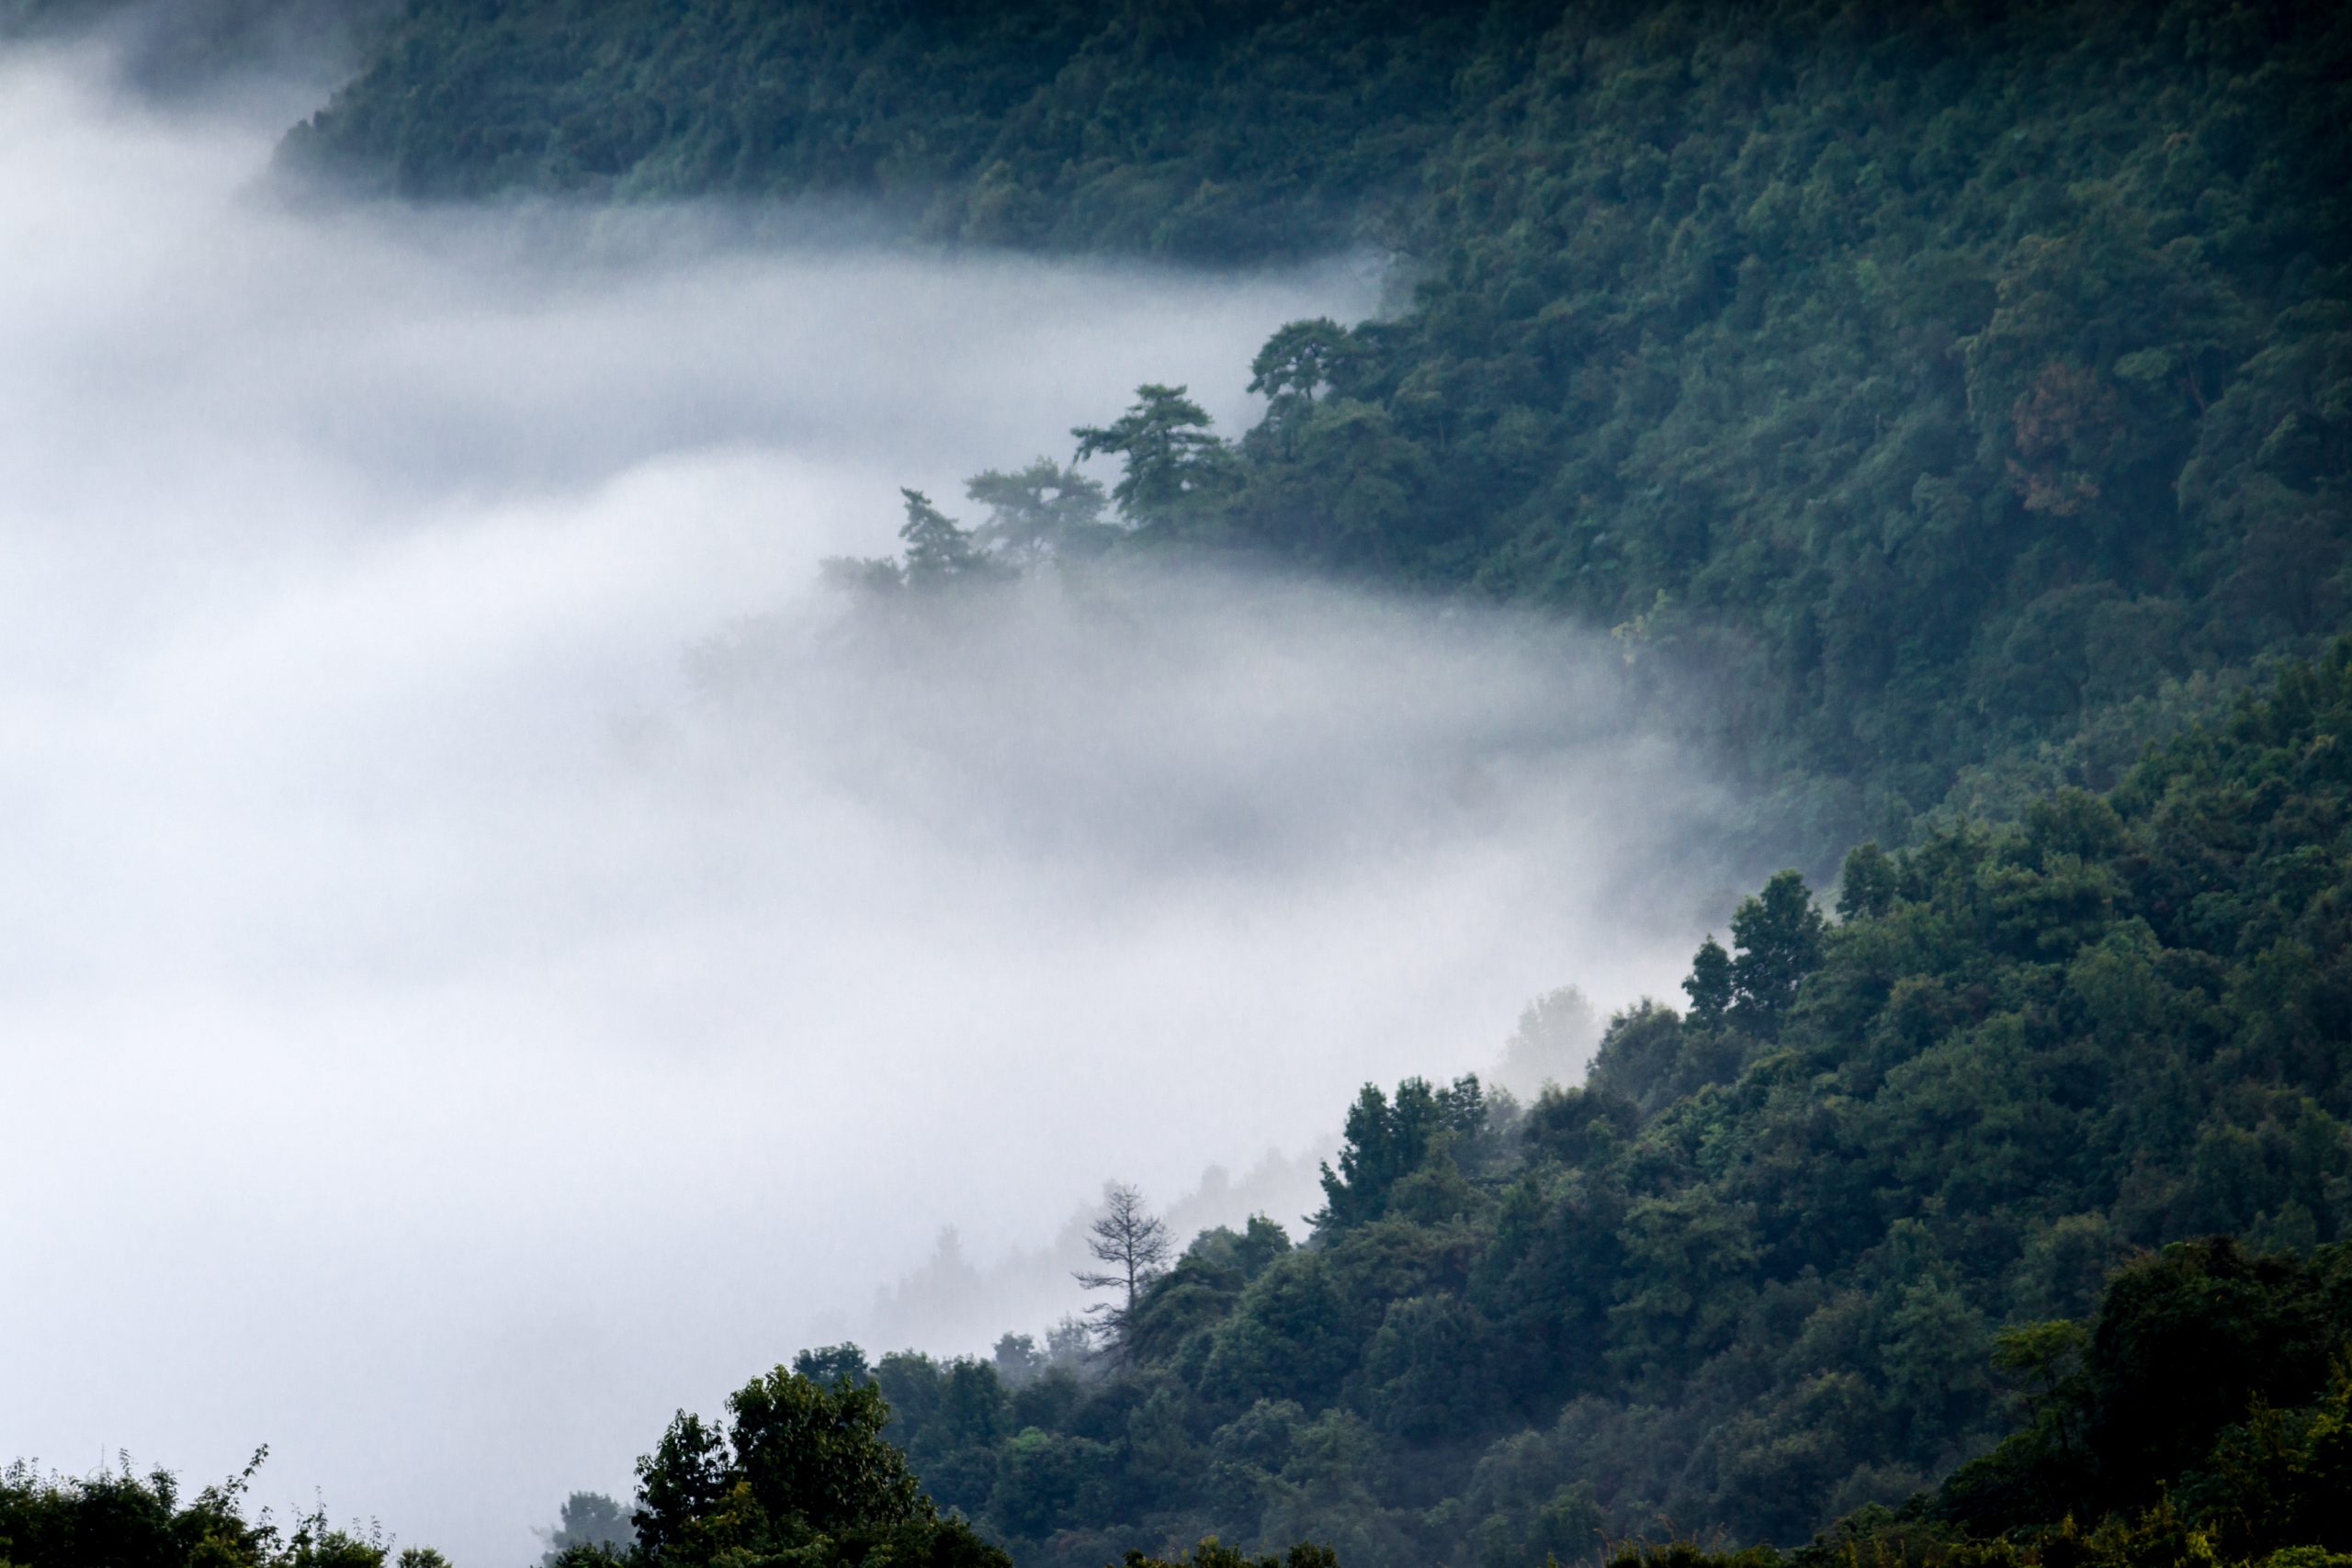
[{"x": 1294, "y": 784}]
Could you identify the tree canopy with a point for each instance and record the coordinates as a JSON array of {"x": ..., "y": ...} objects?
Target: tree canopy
[
  {"x": 123, "y": 1520},
  {"x": 1947, "y": 408},
  {"x": 1800, "y": 1250},
  {"x": 1939, "y": 401},
  {"x": 800, "y": 1473}
]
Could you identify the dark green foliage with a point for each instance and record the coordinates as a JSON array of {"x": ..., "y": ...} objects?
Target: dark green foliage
[
  {"x": 936, "y": 549},
  {"x": 1708, "y": 986},
  {"x": 2210, "y": 1375},
  {"x": 1043, "y": 512},
  {"x": 1583, "y": 1128},
  {"x": 1205, "y": 1282},
  {"x": 2203, "y": 1416},
  {"x": 1301, "y": 360},
  {"x": 834, "y": 1366},
  {"x": 1650, "y": 1055},
  {"x": 1777, "y": 935},
  {"x": 1816, "y": 1250},
  {"x": 133, "y": 1521},
  {"x": 1236, "y": 130},
  {"x": 802, "y": 1475},
  {"x": 1212, "y": 1553},
  {"x": 1386, "y": 1143},
  {"x": 940, "y": 553},
  {"x": 1172, "y": 470},
  {"x": 1866, "y": 889},
  {"x": 1940, "y": 400},
  {"x": 1955, "y": 398}
]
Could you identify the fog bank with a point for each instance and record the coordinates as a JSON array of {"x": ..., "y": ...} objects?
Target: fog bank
[{"x": 496, "y": 954}]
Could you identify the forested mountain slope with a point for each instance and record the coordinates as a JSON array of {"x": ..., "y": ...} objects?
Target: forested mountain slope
[
  {"x": 1946, "y": 394},
  {"x": 2200, "y": 1414},
  {"x": 1224, "y": 132},
  {"x": 1941, "y": 403},
  {"x": 1753, "y": 1274}
]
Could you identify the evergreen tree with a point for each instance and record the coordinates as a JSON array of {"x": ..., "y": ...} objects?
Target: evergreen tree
[
  {"x": 1708, "y": 986},
  {"x": 1866, "y": 888},
  {"x": 1778, "y": 934},
  {"x": 1039, "y": 512},
  {"x": 937, "y": 550},
  {"x": 1172, "y": 467}
]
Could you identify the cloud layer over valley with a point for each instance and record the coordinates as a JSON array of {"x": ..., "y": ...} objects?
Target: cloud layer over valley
[{"x": 495, "y": 955}]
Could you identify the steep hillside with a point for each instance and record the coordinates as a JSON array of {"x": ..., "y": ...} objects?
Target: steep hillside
[
  {"x": 1221, "y": 132},
  {"x": 1953, "y": 397},
  {"x": 1949, "y": 408},
  {"x": 2202, "y": 1414},
  {"x": 1754, "y": 1274}
]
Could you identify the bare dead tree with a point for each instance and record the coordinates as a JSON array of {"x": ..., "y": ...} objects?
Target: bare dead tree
[{"x": 1131, "y": 1240}]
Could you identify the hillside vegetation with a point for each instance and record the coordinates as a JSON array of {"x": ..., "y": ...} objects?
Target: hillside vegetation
[
  {"x": 1950, "y": 409},
  {"x": 1762, "y": 1268},
  {"x": 112, "y": 1519},
  {"x": 1940, "y": 400},
  {"x": 2201, "y": 1414}
]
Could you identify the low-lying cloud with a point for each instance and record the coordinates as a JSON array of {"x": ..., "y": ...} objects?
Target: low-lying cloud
[{"x": 495, "y": 955}]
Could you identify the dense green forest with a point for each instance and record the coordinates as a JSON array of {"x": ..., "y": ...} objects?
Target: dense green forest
[
  {"x": 1766, "y": 1266},
  {"x": 1939, "y": 401},
  {"x": 1948, "y": 408},
  {"x": 123, "y": 1520},
  {"x": 2201, "y": 1415}
]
